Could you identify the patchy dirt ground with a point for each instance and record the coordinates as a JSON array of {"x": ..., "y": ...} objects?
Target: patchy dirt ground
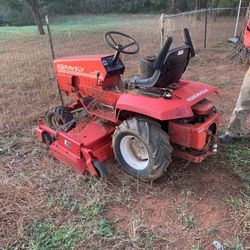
[{"x": 45, "y": 205}]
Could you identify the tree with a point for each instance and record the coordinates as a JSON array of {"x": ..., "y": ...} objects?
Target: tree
[
  {"x": 36, "y": 14},
  {"x": 197, "y": 8},
  {"x": 215, "y": 4},
  {"x": 239, "y": 52},
  {"x": 18, "y": 12},
  {"x": 173, "y": 6}
]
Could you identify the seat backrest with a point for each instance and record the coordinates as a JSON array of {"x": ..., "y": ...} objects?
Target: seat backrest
[
  {"x": 169, "y": 65},
  {"x": 174, "y": 66}
]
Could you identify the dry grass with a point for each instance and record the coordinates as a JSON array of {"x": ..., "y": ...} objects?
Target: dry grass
[{"x": 45, "y": 205}]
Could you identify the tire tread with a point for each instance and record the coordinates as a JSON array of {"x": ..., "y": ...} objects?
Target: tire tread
[{"x": 156, "y": 139}]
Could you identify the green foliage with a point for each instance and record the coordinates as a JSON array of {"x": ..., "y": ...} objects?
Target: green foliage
[
  {"x": 235, "y": 244},
  {"x": 105, "y": 228},
  {"x": 239, "y": 155},
  {"x": 196, "y": 247},
  {"x": 232, "y": 3},
  {"x": 18, "y": 11},
  {"x": 189, "y": 222},
  {"x": 45, "y": 235},
  {"x": 93, "y": 210},
  {"x": 214, "y": 231},
  {"x": 232, "y": 202}
]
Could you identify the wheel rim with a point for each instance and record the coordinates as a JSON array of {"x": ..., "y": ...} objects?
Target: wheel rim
[{"x": 134, "y": 152}]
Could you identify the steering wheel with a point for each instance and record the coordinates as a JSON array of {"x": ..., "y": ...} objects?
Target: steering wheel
[{"x": 119, "y": 46}]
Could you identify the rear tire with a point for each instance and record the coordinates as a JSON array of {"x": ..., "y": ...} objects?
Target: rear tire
[{"x": 142, "y": 148}]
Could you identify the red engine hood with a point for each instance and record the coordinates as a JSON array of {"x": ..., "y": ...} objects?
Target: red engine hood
[
  {"x": 178, "y": 107},
  {"x": 85, "y": 66}
]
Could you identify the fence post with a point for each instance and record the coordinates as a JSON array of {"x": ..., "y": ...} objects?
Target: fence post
[
  {"x": 205, "y": 33},
  {"x": 53, "y": 53},
  {"x": 162, "y": 30},
  {"x": 237, "y": 20}
]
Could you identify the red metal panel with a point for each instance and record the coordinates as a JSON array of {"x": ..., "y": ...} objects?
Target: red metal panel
[
  {"x": 67, "y": 158},
  {"x": 159, "y": 108},
  {"x": 80, "y": 146},
  {"x": 105, "y": 152},
  {"x": 93, "y": 134},
  {"x": 192, "y": 158},
  {"x": 84, "y": 66},
  {"x": 86, "y": 69},
  {"x": 39, "y": 133},
  {"x": 192, "y": 136},
  {"x": 68, "y": 143},
  {"x": 179, "y": 106},
  {"x": 180, "y": 133},
  {"x": 45, "y": 128},
  {"x": 203, "y": 107},
  {"x": 193, "y": 92}
]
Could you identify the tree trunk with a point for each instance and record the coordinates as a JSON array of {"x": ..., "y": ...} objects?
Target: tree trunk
[
  {"x": 215, "y": 5},
  {"x": 239, "y": 52},
  {"x": 197, "y": 7},
  {"x": 173, "y": 6},
  {"x": 36, "y": 14}
]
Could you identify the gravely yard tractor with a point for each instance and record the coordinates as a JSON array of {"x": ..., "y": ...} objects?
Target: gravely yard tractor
[{"x": 142, "y": 122}]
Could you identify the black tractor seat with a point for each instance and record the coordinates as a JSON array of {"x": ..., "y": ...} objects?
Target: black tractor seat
[{"x": 169, "y": 65}]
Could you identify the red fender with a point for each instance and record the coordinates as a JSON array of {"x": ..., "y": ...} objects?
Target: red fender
[{"x": 178, "y": 107}]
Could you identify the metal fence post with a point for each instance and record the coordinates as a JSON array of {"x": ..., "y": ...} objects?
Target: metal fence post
[
  {"x": 205, "y": 33},
  {"x": 53, "y": 54},
  {"x": 162, "y": 30}
]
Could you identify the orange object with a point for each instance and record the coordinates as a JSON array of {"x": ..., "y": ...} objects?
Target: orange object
[{"x": 247, "y": 35}]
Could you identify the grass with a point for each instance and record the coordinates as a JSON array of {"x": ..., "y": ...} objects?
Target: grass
[
  {"x": 76, "y": 24},
  {"x": 235, "y": 244},
  {"x": 45, "y": 205},
  {"x": 222, "y": 47},
  {"x": 214, "y": 231},
  {"x": 238, "y": 154},
  {"x": 187, "y": 192},
  {"x": 45, "y": 236},
  {"x": 233, "y": 202},
  {"x": 144, "y": 237},
  {"x": 91, "y": 211},
  {"x": 189, "y": 222},
  {"x": 182, "y": 212},
  {"x": 196, "y": 247},
  {"x": 105, "y": 228},
  {"x": 90, "y": 222}
]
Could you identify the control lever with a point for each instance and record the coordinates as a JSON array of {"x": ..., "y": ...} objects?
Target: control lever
[{"x": 97, "y": 77}]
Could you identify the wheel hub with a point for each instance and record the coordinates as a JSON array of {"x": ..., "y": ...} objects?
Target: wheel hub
[
  {"x": 138, "y": 149},
  {"x": 134, "y": 152}
]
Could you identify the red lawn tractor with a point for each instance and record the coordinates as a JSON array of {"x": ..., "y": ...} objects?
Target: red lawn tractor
[{"x": 143, "y": 122}]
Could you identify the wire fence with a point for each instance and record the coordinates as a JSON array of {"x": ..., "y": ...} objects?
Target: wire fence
[
  {"x": 87, "y": 36},
  {"x": 208, "y": 27},
  {"x": 26, "y": 72},
  {"x": 81, "y": 35}
]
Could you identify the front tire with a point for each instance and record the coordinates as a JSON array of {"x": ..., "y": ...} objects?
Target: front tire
[{"x": 142, "y": 148}]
